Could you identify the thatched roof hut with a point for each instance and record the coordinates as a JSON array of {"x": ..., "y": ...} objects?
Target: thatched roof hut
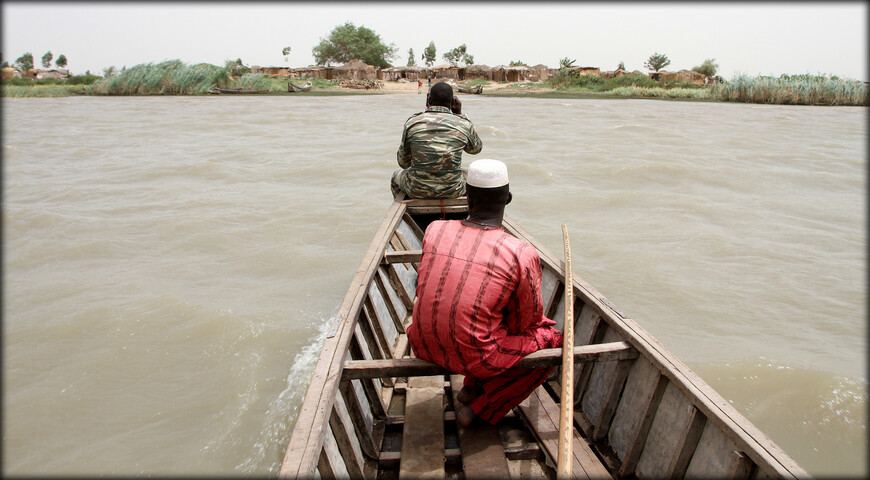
[
  {"x": 9, "y": 72},
  {"x": 58, "y": 73},
  {"x": 539, "y": 73},
  {"x": 472, "y": 72},
  {"x": 510, "y": 73},
  {"x": 446, "y": 71},
  {"x": 314, "y": 71},
  {"x": 271, "y": 71},
  {"x": 356, "y": 70}
]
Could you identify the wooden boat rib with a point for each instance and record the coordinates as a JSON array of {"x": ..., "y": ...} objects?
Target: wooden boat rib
[{"x": 372, "y": 411}]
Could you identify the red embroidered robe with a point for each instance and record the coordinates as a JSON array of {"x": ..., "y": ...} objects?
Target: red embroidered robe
[{"x": 479, "y": 311}]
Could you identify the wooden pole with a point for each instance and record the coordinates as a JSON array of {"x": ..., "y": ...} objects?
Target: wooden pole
[{"x": 566, "y": 413}]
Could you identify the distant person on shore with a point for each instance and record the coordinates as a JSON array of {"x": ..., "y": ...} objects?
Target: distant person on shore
[
  {"x": 419, "y": 86},
  {"x": 479, "y": 307},
  {"x": 430, "y": 154}
]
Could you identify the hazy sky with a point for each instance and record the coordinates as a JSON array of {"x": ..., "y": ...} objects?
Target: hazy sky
[{"x": 752, "y": 38}]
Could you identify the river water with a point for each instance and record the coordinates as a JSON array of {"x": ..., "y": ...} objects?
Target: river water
[{"x": 170, "y": 264}]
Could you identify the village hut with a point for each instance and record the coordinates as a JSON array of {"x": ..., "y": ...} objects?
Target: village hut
[
  {"x": 539, "y": 73},
  {"x": 510, "y": 73},
  {"x": 472, "y": 72},
  {"x": 446, "y": 71},
  {"x": 59, "y": 73},
  {"x": 271, "y": 71},
  {"x": 576, "y": 71},
  {"x": 417, "y": 73},
  {"x": 8, "y": 72},
  {"x": 392, "y": 74},
  {"x": 356, "y": 70},
  {"x": 314, "y": 71}
]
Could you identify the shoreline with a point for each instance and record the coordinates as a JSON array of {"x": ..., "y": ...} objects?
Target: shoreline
[{"x": 504, "y": 90}]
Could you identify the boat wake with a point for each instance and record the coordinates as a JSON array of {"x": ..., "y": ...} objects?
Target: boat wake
[{"x": 279, "y": 419}]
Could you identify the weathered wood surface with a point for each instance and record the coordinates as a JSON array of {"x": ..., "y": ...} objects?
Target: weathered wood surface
[
  {"x": 631, "y": 400},
  {"x": 309, "y": 433},
  {"x": 542, "y": 414},
  {"x": 401, "y": 367},
  {"x": 483, "y": 454},
  {"x": 423, "y": 436},
  {"x": 769, "y": 457}
]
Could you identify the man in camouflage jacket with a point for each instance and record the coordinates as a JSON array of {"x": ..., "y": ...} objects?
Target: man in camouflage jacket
[{"x": 431, "y": 150}]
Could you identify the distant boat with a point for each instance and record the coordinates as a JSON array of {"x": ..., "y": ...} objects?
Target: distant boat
[
  {"x": 215, "y": 90},
  {"x": 291, "y": 87},
  {"x": 469, "y": 89}
]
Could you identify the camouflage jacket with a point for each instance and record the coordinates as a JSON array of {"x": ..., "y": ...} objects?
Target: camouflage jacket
[{"x": 431, "y": 151}]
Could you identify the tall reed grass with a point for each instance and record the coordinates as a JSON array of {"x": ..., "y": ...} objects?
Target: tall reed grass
[
  {"x": 792, "y": 90},
  {"x": 258, "y": 81},
  {"x": 171, "y": 77},
  {"x": 659, "y": 92}
]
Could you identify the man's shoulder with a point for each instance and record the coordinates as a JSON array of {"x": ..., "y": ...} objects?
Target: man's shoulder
[{"x": 521, "y": 248}]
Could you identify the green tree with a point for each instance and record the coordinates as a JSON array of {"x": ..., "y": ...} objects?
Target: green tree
[
  {"x": 566, "y": 62},
  {"x": 347, "y": 42},
  {"x": 47, "y": 58},
  {"x": 411, "y": 60},
  {"x": 708, "y": 68},
  {"x": 429, "y": 54},
  {"x": 236, "y": 67},
  {"x": 109, "y": 71},
  {"x": 285, "y": 51},
  {"x": 24, "y": 62},
  {"x": 459, "y": 54},
  {"x": 518, "y": 63},
  {"x": 621, "y": 65},
  {"x": 61, "y": 61},
  {"x": 657, "y": 61}
]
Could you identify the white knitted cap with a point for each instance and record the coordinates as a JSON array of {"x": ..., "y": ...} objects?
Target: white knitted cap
[{"x": 487, "y": 173}]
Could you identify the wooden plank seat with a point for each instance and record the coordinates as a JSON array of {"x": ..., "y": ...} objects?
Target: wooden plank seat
[
  {"x": 407, "y": 367},
  {"x": 423, "y": 436}
]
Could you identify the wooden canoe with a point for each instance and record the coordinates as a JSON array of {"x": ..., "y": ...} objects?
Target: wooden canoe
[
  {"x": 292, "y": 87},
  {"x": 372, "y": 411},
  {"x": 469, "y": 89},
  {"x": 216, "y": 90}
]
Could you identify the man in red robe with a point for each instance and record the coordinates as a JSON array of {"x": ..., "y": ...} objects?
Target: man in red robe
[{"x": 479, "y": 308}]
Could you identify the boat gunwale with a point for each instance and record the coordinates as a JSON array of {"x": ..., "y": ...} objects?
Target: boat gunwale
[
  {"x": 766, "y": 454},
  {"x": 760, "y": 448}
]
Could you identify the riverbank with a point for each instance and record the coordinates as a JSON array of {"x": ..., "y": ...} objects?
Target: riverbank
[{"x": 795, "y": 90}]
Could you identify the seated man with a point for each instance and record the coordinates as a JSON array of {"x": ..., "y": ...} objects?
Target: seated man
[
  {"x": 479, "y": 308},
  {"x": 431, "y": 150}
]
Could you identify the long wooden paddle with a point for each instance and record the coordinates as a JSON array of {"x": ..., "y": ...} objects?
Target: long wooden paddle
[{"x": 566, "y": 417}]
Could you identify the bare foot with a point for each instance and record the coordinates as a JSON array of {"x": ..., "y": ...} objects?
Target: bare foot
[
  {"x": 465, "y": 416},
  {"x": 468, "y": 394}
]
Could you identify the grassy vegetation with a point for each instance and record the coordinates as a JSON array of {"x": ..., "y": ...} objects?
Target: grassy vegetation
[
  {"x": 171, "y": 77},
  {"x": 567, "y": 81},
  {"x": 45, "y": 91},
  {"x": 792, "y": 90}
]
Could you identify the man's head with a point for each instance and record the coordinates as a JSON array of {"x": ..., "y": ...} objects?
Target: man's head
[
  {"x": 441, "y": 94},
  {"x": 487, "y": 185}
]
